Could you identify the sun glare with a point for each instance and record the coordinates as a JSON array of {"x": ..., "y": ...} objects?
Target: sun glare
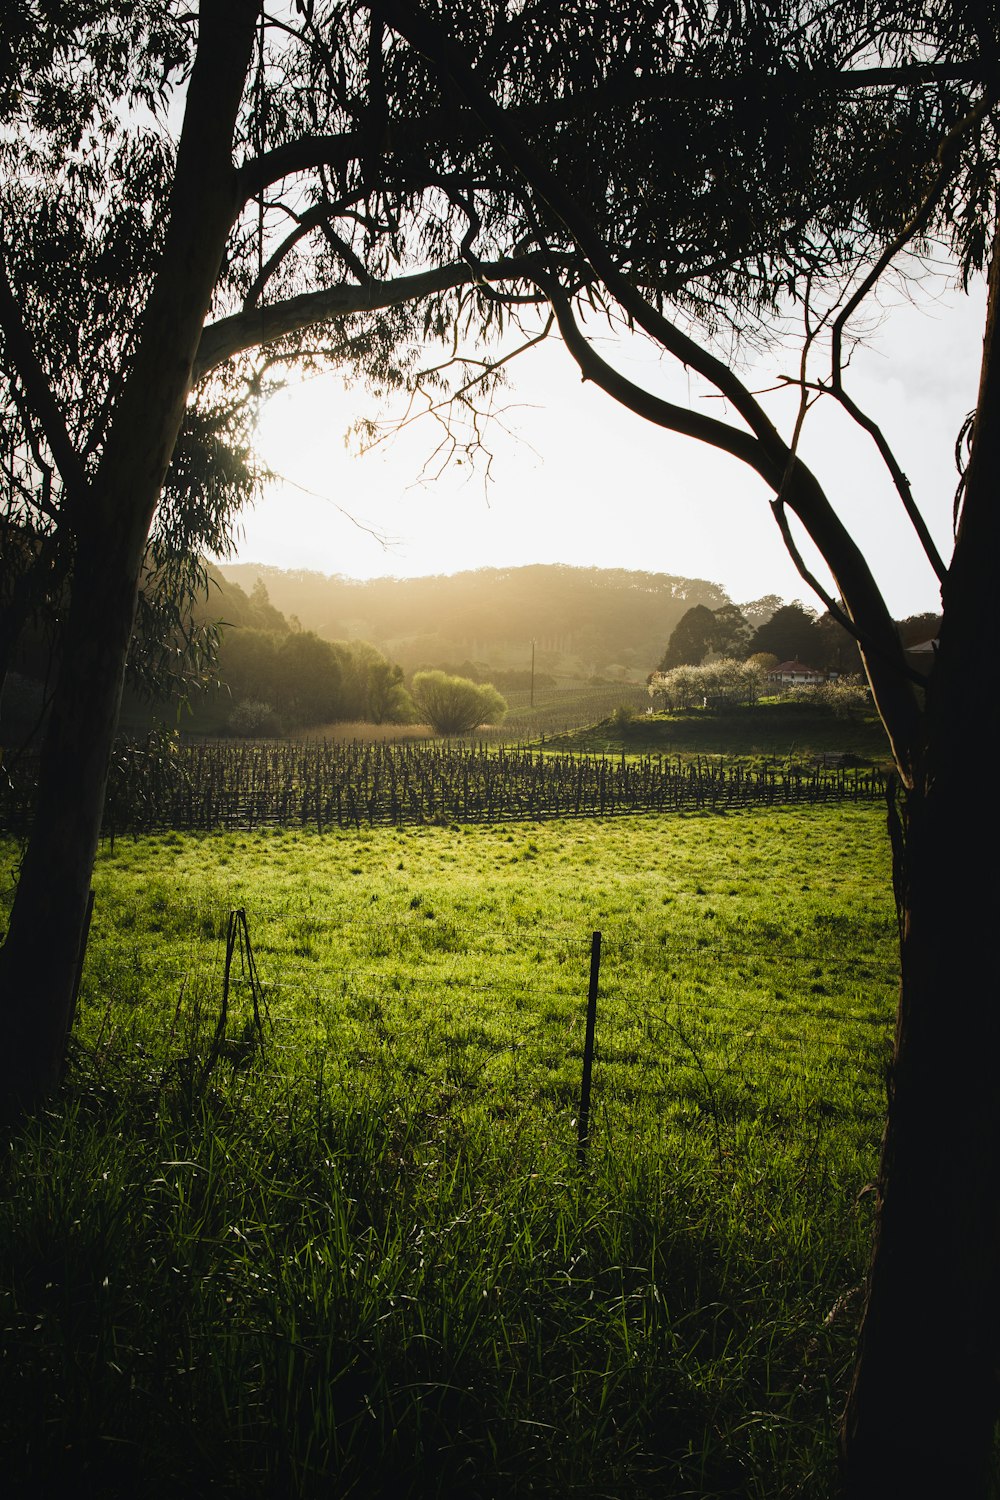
[{"x": 577, "y": 480}]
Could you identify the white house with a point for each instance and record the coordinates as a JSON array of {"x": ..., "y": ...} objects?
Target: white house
[{"x": 794, "y": 674}]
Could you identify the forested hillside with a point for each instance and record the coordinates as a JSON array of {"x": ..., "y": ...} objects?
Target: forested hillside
[
  {"x": 582, "y": 620},
  {"x": 234, "y": 662},
  {"x": 273, "y": 675}
]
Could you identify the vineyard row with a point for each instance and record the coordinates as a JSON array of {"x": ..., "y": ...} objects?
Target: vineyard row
[{"x": 243, "y": 786}]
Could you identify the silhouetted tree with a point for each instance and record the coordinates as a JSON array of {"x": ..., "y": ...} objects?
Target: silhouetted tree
[
  {"x": 691, "y": 639},
  {"x": 137, "y": 261},
  {"x": 922, "y": 1409},
  {"x": 792, "y": 633},
  {"x": 700, "y": 631}
]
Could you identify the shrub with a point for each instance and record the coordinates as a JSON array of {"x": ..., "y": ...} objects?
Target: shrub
[
  {"x": 846, "y": 698},
  {"x": 455, "y": 705},
  {"x": 253, "y": 718}
]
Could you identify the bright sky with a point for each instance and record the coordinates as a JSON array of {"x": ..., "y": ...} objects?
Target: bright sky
[{"x": 577, "y": 479}]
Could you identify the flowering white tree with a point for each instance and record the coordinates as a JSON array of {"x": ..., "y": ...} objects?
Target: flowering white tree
[
  {"x": 846, "y": 697},
  {"x": 713, "y": 684}
]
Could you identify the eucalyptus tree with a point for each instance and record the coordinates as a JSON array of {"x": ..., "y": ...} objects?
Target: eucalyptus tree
[
  {"x": 910, "y": 119},
  {"x": 159, "y": 170},
  {"x": 191, "y": 200}
]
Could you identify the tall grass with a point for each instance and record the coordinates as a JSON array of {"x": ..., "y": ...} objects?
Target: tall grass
[
  {"x": 360, "y": 1258},
  {"x": 265, "y": 1291}
]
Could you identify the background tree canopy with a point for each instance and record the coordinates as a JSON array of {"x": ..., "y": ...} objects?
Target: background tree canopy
[{"x": 790, "y": 632}]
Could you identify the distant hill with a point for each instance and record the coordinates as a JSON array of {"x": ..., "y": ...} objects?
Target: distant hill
[{"x": 583, "y": 620}]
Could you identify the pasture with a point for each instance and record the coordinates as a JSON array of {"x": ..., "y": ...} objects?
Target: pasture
[{"x": 360, "y": 1256}]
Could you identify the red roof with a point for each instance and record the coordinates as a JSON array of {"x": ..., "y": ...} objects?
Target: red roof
[{"x": 799, "y": 668}]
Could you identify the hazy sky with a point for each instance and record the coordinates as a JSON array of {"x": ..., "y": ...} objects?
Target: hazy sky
[{"x": 576, "y": 479}]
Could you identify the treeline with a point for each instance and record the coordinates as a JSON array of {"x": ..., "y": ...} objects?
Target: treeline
[
  {"x": 582, "y": 620},
  {"x": 280, "y": 681},
  {"x": 790, "y": 633},
  {"x": 273, "y": 676}
]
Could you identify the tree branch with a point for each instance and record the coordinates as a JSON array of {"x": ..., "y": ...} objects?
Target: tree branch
[
  {"x": 440, "y": 127},
  {"x": 946, "y": 153},
  {"x": 655, "y": 409},
  {"x": 38, "y": 393},
  {"x": 433, "y": 408},
  {"x": 262, "y": 325},
  {"x": 801, "y": 84},
  {"x": 770, "y": 455},
  {"x": 314, "y": 218},
  {"x": 301, "y": 155},
  {"x": 423, "y": 34},
  {"x": 44, "y": 503}
]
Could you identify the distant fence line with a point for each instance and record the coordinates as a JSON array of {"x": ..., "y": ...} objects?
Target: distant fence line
[
  {"x": 560, "y": 711},
  {"x": 228, "y": 785}
]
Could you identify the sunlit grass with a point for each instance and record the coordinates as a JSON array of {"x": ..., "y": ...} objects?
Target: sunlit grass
[
  {"x": 363, "y": 1259},
  {"x": 782, "y": 731}
]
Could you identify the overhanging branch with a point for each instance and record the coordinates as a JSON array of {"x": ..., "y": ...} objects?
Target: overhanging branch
[
  {"x": 443, "y": 128},
  {"x": 681, "y": 419},
  {"x": 918, "y": 221},
  {"x": 769, "y": 455},
  {"x": 263, "y": 325},
  {"x": 38, "y": 393}
]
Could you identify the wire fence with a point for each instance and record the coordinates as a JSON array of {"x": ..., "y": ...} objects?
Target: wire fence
[{"x": 708, "y": 1028}]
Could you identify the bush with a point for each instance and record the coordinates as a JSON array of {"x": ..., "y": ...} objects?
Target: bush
[
  {"x": 846, "y": 698},
  {"x": 253, "y": 718},
  {"x": 455, "y": 705}
]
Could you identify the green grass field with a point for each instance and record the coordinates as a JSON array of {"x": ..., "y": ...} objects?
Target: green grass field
[
  {"x": 780, "y": 730},
  {"x": 362, "y": 1259}
]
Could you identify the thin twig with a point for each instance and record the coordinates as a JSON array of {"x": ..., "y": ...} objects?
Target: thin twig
[{"x": 918, "y": 221}]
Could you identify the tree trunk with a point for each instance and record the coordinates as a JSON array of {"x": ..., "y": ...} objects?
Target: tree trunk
[
  {"x": 39, "y": 957},
  {"x": 922, "y": 1409}
]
